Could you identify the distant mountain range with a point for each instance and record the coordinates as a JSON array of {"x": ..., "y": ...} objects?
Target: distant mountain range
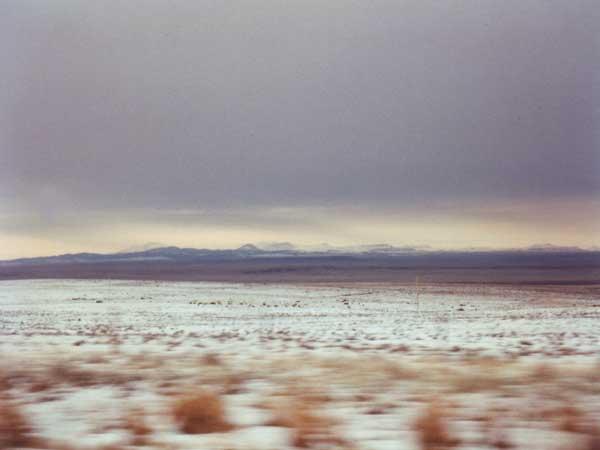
[
  {"x": 156, "y": 252},
  {"x": 283, "y": 262}
]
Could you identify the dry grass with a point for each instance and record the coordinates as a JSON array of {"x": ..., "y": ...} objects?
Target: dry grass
[
  {"x": 432, "y": 429},
  {"x": 590, "y": 441},
  {"x": 40, "y": 386},
  {"x": 479, "y": 374},
  {"x": 543, "y": 373},
  {"x": 68, "y": 372},
  {"x": 135, "y": 423},
  {"x": 233, "y": 384},
  {"x": 309, "y": 428},
  {"x": 570, "y": 419},
  {"x": 199, "y": 413},
  {"x": 593, "y": 442},
  {"x": 494, "y": 435},
  {"x": 14, "y": 428},
  {"x": 211, "y": 359},
  {"x": 4, "y": 381}
]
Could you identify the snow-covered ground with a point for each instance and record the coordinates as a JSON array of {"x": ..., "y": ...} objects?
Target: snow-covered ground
[{"x": 111, "y": 364}]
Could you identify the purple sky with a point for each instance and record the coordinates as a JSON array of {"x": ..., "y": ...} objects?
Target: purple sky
[{"x": 208, "y": 123}]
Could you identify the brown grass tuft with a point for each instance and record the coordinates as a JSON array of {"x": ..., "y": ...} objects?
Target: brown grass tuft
[
  {"x": 593, "y": 442},
  {"x": 40, "y": 386},
  {"x": 202, "y": 412},
  {"x": 590, "y": 441},
  {"x": 63, "y": 372},
  {"x": 543, "y": 373},
  {"x": 135, "y": 422},
  {"x": 233, "y": 384},
  {"x": 4, "y": 381},
  {"x": 309, "y": 429},
  {"x": 494, "y": 435},
  {"x": 570, "y": 419},
  {"x": 432, "y": 429},
  {"x": 211, "y": 359},
  {"x": 14, "y": 429}
]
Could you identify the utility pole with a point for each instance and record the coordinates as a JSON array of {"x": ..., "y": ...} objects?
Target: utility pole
[{"x": 417, "y": 291}]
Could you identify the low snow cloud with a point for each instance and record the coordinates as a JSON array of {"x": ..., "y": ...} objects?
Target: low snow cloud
[{"x": 212, "y": 123}]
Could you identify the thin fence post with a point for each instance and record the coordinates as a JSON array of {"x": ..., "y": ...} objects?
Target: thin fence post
[{"x": 417, "y": 291}]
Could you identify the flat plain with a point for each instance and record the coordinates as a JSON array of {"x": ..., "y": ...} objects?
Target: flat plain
[{"x": 107, "y": 364}]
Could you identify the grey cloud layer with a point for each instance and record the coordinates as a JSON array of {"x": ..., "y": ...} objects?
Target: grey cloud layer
[{"x": 209, "y": 104}]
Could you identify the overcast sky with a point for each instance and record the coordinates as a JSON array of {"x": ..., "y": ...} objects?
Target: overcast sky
[{"x": 213, "y": 123}]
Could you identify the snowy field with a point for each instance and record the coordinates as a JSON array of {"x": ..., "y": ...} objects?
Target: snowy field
[{"x": 119, "y": 364}]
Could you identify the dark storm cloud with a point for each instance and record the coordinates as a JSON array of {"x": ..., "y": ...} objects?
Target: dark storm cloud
[{"x": 210, "y": 104}]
